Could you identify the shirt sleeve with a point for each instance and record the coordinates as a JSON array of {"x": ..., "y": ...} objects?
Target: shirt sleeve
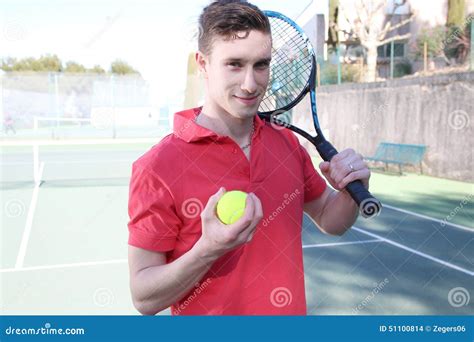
[
  {"x": 154, "y": 224},
  {"x": 314, "y": 184}
]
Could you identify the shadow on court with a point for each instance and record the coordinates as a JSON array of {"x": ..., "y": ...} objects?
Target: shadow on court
[{"x": 75, "y": 260}]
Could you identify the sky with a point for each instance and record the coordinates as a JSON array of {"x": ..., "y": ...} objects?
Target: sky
[{"x": 155, "y": 37}]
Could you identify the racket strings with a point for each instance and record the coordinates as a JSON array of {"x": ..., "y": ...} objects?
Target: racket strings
[{"x": 290, "y": 68}]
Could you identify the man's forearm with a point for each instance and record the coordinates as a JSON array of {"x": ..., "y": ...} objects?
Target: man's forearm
[
  {"x": 156, "y": 288},
  {"x": 339, "y": 213}
]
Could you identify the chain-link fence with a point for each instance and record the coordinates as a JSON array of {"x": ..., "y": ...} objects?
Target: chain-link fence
[{"x": 64, "y": 105}]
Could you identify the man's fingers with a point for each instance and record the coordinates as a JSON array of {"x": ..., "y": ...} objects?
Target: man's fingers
[
  {"x": 210, "y": 209},
  {"x": 242, "y": 223},
  {"x": 342, "y": 155},
  {"x": 362, "y": 175},
  {"x": 342, "y": 168},
  {"x": 324, "y": 167},
  {"x": 249, "y": 232}
]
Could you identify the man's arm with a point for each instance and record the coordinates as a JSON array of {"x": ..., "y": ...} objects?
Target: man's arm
[
  {"x": 335, "y": 211},
  {"x": 156, "y": 285}
]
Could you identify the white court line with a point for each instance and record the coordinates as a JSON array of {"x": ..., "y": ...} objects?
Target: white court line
[
  {"x": 86, "y": 161},
  {"x": 414, "y": 251},
  {"x": 29, "y": 222},
  {"x": 50, "y": 267},
  {"x": 429, "y": 218},
  {"x": 104, "y": 141},
  {"x": 340, "y": 243}
]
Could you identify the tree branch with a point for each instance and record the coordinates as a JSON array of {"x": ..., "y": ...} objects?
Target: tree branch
[
  {"x": 389, "y": 28},
  {"x": 388, "y": 40}
]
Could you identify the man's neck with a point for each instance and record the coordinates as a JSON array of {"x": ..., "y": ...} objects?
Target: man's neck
[{"x": 225, "y": 124}]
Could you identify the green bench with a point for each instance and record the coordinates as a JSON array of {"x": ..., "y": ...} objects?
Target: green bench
[{"x": 400, "y": 154}]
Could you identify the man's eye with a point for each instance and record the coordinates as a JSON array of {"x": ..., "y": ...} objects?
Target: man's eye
[
  {"x": 263, "y": 65},
  {"x": 235, "y": 64}
]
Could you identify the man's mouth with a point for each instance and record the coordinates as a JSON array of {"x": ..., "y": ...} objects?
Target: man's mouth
[{"x": 247, "y": 100}]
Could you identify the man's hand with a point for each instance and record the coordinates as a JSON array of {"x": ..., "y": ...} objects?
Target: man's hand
[
  {"x": 345, "y": 167},
  {"x": 218, "y": 238}
]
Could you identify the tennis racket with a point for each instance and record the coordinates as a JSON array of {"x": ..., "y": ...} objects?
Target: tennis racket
[{"x": 292, "y": 76}]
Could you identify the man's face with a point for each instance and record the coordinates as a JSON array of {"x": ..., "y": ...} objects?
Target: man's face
[{"x": 237, "y": 73}]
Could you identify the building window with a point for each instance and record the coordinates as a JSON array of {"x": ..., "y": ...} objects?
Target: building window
[{"x": 398, "y": 50}]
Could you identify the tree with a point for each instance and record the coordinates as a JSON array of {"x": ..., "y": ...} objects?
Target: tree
[
  {"x": 369, "y": 28},
  {"x": 49, "y": 63},
  {"x": 455, "y": 13},
  {"x": 8, "y": 63},
  {"x": 74, "y": 67},
  {"x": 457, "y": 40},
  {"x": 333, "y": 36},
  {"x": 434, "y": 39},
  {"x": 44, "y": 63},
  {"x": 122, "y": 68},
  {"x": 97, "y": 69}
]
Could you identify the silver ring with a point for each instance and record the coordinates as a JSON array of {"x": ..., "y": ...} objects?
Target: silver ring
[{"x": 352, "y": 167}]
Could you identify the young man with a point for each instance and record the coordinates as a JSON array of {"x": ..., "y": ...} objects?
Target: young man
[{"x": 180, "y": 254}]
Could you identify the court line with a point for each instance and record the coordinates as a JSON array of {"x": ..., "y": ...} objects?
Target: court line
[
  {"x": 49, "y": 267},
  {"x": 29, "y": 222},
  {"x": 414, "y": 251},
  {"x": 446, "y": 223},
  {"x": 85, "y": 161},
  {"x": 104, "y": 141},
  {"x": 340, "y": 243}
]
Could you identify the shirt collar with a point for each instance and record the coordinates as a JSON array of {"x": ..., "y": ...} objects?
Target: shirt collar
[{"x": 186, "y": 129}]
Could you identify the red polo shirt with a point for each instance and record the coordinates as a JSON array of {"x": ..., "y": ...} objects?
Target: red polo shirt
[{"x": 172, "y": 183}]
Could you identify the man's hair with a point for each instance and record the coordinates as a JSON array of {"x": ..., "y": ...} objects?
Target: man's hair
[{"x": 227, "y": 17}]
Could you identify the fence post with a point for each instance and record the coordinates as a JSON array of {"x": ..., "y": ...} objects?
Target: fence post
[
  {"x": 425, "y": 57},
  {"x": 472, "y": 44},
  {"x": 338, "y": 53},
  {"x": 318, "y": 74},
  {"x": 391, "y": 58},
  {"x": 112, "y": 97}
]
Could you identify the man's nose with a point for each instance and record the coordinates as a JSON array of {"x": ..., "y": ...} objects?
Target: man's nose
[{"x": 249, "y": 84}]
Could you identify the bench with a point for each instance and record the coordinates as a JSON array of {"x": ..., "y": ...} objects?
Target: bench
[{"x": 400, "y": 154}]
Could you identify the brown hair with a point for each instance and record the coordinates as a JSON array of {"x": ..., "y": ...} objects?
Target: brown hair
[{"x": 226, "y": 18}]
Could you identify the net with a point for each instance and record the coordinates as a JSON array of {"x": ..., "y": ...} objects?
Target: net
[
  {"x": 290, "y": 68},
  {"x": 73, "y": 163}
]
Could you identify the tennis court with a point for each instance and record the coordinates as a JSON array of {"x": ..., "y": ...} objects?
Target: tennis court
[{"x": 64, "y": 240}]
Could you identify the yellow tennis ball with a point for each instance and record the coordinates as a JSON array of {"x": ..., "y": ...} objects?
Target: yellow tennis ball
[{"x": 231, "y": 206}]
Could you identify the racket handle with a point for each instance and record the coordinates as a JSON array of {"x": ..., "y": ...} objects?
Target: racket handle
[{"x": 369, "y": 206}]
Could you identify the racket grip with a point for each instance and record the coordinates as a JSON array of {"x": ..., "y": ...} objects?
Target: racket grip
[{"x": 369, "y": 206}]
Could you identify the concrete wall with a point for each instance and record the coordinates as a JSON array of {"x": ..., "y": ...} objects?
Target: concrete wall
[{"x": 436, "y": 111}]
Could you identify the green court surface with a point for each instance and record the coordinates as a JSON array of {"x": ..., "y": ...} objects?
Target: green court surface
[{"x": 64, "y": 243}]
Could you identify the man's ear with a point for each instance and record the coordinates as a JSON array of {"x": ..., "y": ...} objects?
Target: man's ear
[{"x": 202, "y": 62}]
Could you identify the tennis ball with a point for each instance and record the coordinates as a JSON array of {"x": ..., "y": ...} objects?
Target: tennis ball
[{"x": 231, "y": 206}]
